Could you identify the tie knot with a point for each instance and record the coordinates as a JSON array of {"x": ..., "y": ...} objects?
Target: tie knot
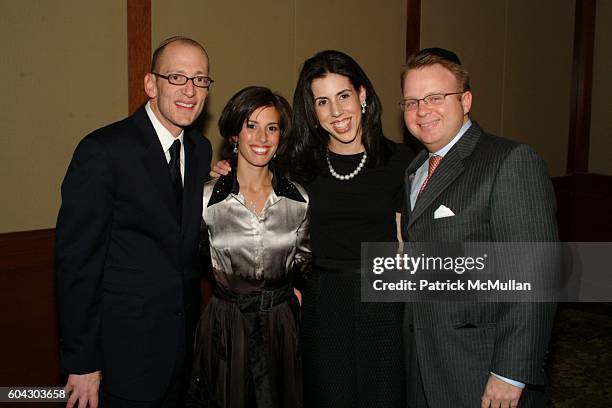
[
  {"x": 175, "y": 149},
  {"x": 434, "y": 162}
]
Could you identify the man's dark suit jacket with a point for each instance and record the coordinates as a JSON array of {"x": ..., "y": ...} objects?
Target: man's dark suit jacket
[
  {"x": 126, "y": 261},
  {"x": 499, "y": 191}
]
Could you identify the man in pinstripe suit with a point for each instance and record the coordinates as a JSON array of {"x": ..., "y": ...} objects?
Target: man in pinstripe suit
[{"x": 484, "y": 189}]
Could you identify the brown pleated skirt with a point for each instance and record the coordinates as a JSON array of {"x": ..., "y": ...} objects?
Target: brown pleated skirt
[{"x": 247, "y": 359}]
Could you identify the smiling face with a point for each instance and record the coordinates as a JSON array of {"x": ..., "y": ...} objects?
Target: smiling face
[
  {"x": 259, "y": 137},
  {"x": 338, "y": 107},
  {"x": 435, "y": 125},
  {"x": 177, "y": 106}
]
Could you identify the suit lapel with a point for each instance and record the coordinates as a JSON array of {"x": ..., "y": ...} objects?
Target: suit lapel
[
  {"x": 191, "y": 181},
  {"x": 450, "y": 168},
  {"x": 155, "y": 160}
]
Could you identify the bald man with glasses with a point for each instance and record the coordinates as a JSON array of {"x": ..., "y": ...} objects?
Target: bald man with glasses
[{"x": 128, "y": 273}]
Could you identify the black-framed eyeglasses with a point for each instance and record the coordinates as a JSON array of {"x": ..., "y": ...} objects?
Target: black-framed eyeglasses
[
  {"x": 201, "y": 81},
  {"x": 433, "y": 99}
]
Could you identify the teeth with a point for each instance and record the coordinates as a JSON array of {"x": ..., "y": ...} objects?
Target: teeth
[
  {"x": 260, "y": 150},
  {"x": 342, "y": 125},
  {"x": 186, "y": 105},
  {"x": 428, "y": 125}
]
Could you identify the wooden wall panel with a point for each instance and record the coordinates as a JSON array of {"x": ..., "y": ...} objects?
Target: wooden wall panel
[
  {"x": 29, "y": 351},
  {"x": 584, "y": 202},
  {"x": 413, "y": 26},
  {"x": 139, "y": 50},
  {"x": 581, "y": 90}
]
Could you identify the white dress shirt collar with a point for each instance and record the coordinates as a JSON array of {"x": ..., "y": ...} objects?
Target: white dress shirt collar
[
  {"x": 442, "y": 152},
  {"x": 166, "y": 139}
]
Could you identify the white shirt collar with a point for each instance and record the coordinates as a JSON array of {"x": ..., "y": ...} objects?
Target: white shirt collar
[
  {"x": 165, "y": 137},
  {"x": 442, "y": 152}
]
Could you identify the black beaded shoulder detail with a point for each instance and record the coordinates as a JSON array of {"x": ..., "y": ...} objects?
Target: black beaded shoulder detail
[
  {"x": 223, "y": 187},
  {"x": 284, "y": 187}
]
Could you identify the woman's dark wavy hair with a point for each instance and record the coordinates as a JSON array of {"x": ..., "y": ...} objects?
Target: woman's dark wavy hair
[
  {"x": 240, "y": 107},
  {"x": 309, "y": 140}
]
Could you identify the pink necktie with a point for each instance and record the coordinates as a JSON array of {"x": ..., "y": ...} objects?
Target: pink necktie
[{"x": 434, "y": 162}]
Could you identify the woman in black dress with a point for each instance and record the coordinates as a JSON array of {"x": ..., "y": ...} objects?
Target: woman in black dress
[
  {"x": 352, "y": 351},
  {"x": 255, "y": 230}
]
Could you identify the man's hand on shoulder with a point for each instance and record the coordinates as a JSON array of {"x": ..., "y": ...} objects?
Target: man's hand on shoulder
[
  {"x": 83, "y": 388},
  {"x": 499, "y": 393},
  {"x": 222, "y": 168}
]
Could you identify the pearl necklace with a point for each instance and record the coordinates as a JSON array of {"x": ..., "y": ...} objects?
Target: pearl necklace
[{"x": 351, "y": 174}]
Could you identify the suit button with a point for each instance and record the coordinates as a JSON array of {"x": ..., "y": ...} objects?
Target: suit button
[{"x": 179, "y": 313}]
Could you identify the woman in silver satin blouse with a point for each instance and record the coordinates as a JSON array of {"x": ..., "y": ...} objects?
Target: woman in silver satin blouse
[{"x": 256, "y": 233}]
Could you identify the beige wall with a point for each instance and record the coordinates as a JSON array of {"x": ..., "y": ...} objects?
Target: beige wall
[
  {"x": 519, "y": 55},
  {"x": 601, "y": 109},
  {"x": 374, "y": 33},
  {"x": 65, "y": 69},
  {"x": 64, "y": 73},
  {"x": 265, "y": 42}
]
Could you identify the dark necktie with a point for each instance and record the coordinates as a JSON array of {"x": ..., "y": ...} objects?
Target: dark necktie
[{"x": 174, "y": 168}]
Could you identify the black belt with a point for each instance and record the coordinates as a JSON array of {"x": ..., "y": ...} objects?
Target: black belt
[
  {"x": 260, "y": 301},
  {"x": 255, "y": 307}
]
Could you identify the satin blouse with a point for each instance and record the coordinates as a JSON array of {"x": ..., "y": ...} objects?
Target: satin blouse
[{"x": 251, "y": 251}]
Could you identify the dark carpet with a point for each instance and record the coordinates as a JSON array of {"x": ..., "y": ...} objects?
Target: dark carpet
[{"x": 580, "y": 362}]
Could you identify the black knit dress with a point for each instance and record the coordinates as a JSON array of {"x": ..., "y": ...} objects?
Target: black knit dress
[{"x": 352, "y": 351}]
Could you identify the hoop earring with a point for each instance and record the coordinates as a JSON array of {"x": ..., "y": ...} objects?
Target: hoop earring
[{"x": 363, "y": 106}]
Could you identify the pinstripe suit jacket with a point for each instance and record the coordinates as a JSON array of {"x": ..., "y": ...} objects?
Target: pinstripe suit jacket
[{"x": 499, "y": 190}]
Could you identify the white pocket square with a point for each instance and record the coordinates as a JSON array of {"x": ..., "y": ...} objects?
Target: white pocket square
[{"x": 443, "y": 212}]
